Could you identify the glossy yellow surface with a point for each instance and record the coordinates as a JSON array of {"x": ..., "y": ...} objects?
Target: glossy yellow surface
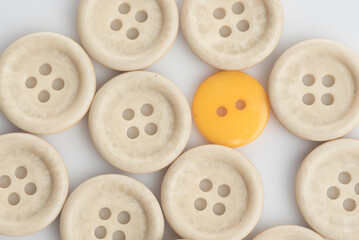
[{"x": 231, "y": 108}]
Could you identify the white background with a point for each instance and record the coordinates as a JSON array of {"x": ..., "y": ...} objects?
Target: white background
[{"x": 276, "y": 153}]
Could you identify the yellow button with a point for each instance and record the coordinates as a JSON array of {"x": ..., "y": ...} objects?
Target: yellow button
[{"x": 231, "y": 108}]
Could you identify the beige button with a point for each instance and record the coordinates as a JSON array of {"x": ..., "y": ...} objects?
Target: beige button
[
  {"x": 127, "y": 35},
  {"x": 233, "y": 34},
  {"x": 112, "y": 207},
  {"x": 313, "y": 90},
  {"x": 212, "y": 192},
  {"x": 33, "y": 184},
  {"x": 140, "y": 122},
  {"x": 47, "y": 83},
  {"x": 288, "y": 233},
  {"x": 327, "y": 189}
]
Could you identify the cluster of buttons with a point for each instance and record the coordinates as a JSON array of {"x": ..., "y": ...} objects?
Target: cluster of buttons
[
  {"x": 333, "y": 192},
  {"x": 132, "y": 33},
  {"x": 44, "y": 95},
  {"x": 206, "y": 186},
  {"x": 133, "y": 132},
  {"x": 14, "y": 197},
  {"x": 105, "y": 214},
  {"x": 237, "y": 8},
  {"x": 328, "y": 81}
]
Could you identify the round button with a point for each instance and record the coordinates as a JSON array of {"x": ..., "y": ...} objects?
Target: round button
[
  {"x": 327, "y": 189},
  {"x": 231, "y": 108},
  {"x": 47, "y": 83},
  {"x": 233, "y": 34},
  {"x": 313, "y": 90},
  {"x": 33, "y": 184},
  {"x": 127, "y": 35},
  {"x": 120, "y": 208},
  {"x": 140, "y": 122},
  {"x": 212, "y": 192},
  {"x": 288, "y": 233}
]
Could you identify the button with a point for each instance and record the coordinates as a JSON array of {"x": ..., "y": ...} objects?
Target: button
[
  {"x": 120, "y": 208},
  {"x": 33, "y": 184},
  {"x": 327, "y": 189},
  {"x": 232, "y": 35},
  {"x": 288, "y": 233},
  {"x": 127, "y": 35},
  {"x": 313, "y": 90},
  {"x": 47, "y": 83},
  {"x": 212, "y": 192},
  {"x": 231, "y": 108},
  {"x": 140, "y": 122}
]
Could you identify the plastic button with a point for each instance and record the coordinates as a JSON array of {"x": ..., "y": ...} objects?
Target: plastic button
[
  {"x": 327, "y": 189},
  {"x": 127, "y": 35},
  {"x": 212, "y": 192},
  {"x": 288, "y": 233},
  {"x": 232, "y": 35},
  {"x": 231, "y": 108},
  {"x": 313, "y": 90},
  {"x": 33, "y": 184},
  {"x": 47, "y": 83},
  {"x": 112, "y": 207},
  {"x": 140, "y": 122}
]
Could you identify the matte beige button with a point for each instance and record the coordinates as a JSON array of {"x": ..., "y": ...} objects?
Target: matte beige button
[
  {"x": 327, "y": 189},
  {"x": 313, "y": 90},
  {"x": 33, "y": 184},
  {"x": 47, "y": 83},
  {"x": 234, "y": 34},
  {"x": 127, "y": 35},
  {"x": 288, "y": 233},
  {"x": 212, "y": 192},
  {"x": 112, "y": 207},
  {"x": 140, "y": 122}
]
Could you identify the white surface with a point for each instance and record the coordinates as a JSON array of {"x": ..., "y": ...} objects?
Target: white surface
[{"x": 276, "y": 153}]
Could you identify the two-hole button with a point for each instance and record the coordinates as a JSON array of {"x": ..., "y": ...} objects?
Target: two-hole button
[{"x": 231, "y": 108}]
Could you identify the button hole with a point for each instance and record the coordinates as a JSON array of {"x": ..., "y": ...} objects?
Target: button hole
[
  {"x": 45, "y": 69},
  {"x": 225, "y": 31},
  {"x": 243, "y": 26},
  {"x": 219, "y": 209},
  {"x": 238, "y": 8},
  {"x": 221, "y": 111},
  {"x": 219, "y": 13},
  {"x": 241, "y": 105},
  {"x": 200, "y": 204},
  {"x": 124, "y": 8},
  {"x": 141, "y": 16},
  {"x": 123, "y": 217}
]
